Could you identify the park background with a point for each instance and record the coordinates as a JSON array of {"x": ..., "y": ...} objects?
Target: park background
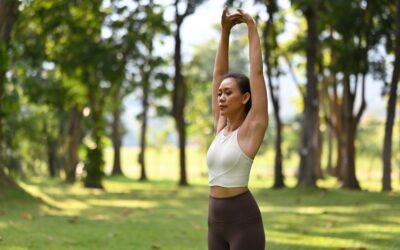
[{"x": 105, "y": 121}]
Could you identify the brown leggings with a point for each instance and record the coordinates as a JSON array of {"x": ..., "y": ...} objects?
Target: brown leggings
[{"x": 235, "y": 223}]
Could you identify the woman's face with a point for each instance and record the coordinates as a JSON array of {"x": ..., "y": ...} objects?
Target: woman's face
[{"x": 230, "y": 99}]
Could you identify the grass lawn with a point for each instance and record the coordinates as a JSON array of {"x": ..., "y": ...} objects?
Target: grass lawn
[{"x": 160, "y": 215}]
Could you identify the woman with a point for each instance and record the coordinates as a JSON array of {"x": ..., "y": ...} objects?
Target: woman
[{"x": 240, "y": 119}]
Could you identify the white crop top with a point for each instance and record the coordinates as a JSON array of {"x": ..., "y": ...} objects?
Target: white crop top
[{"x": 228, "y": 165}]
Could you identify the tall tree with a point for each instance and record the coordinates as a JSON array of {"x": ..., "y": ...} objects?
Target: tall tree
[
  {"x": 68, "y": 35},
  {"x": 351, "y": 34},
  {"x": 8, "y": 16},
  {"x": 391, "y": 108},
  {"x": 310, "y": 124},
  {"x": 140, "y": 25},
  {"x": 179, "y": 91},
  {"x": 87, "y": 57},
  {"x": 123, "y": 23},
  {"x": 270, "y": 44},
  {"x": 150, "y": 72},
  {"x": 74, "y": 133},
  {"x": 331, "y": 104}
]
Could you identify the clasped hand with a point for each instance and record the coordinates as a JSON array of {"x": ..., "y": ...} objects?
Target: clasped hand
[{"x": 230, "y": 20}]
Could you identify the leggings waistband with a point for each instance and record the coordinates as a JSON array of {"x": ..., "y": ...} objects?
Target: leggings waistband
[{"x": 230, "y": 197}]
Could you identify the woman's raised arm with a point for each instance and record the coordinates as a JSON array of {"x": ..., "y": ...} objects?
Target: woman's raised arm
[
  {"x": 259, "y": 110},
  {"x": 253, "y": 129},
  {"x": 221, "y": 65}
]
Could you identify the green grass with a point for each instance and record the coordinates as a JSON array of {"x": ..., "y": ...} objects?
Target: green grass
[{"x": 160, "y": 215}]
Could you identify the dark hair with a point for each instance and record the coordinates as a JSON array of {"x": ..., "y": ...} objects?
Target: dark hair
[{"x": 244, "y": 86}]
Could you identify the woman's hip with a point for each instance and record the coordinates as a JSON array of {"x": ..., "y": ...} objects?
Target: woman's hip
[{"x": 233, "y": 210}]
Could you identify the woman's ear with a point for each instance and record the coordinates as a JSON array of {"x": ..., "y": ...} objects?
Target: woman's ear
[{"x": 245, "y": 97}]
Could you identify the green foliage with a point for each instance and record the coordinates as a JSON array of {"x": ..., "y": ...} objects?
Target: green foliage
[
  {"x": 61, "y": 56},
  {"x": 94, "y": 167},
  {"x": 61, "y": 61},
  {"x": 3, "y": 56},
  {"x": 199, "y": 77}
]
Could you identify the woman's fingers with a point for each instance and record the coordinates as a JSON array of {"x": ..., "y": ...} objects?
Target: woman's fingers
[
  {"x": 232, "y": 19},
  {"x": 225, "y": 11},
  {"x": 234, "y": 16},
  {"x": 245, "y": 16}
]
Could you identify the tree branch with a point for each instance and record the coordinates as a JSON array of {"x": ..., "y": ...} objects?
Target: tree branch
[
  {"x": 363, "y": 101},
  {"x": 293, "y": 75}
]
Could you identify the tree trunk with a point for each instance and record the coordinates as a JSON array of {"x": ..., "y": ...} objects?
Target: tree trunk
[
  {"x": 52, "y": 157},
  {"x": 179, "y": 101},
  {"x": 116, "y": 138},
  {"x": 333, "y": 117},
  {"x": 310, "y": 124},
  {"x": 143, "y": 142},
  {"x": 337, "y": 128},
  {"x": 349, "y": 175},
  {"x": 267, "y": 32},
  {"x": 51, "y": 151},
  {"x": 391, "y": 110},
  {"x": 73, "y": 143},
  {"x": 8, "y": 16},
  {"x": 348, "y": 136},
  {"x": 328, "y": 113},
  {"x": 329, "y": 164},
  {"x": 317, "y": 167},
  {"x": 279, "y": 181},
  {"x": 95, "y": 162},
  {"x": 5, "y": 181}
]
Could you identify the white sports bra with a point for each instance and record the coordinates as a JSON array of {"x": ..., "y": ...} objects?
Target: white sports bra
[{"x": 228, "y": 165}]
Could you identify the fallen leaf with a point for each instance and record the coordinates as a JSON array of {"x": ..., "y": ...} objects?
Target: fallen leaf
[
  {"x": 196, "y": 226},
  {"x": 27, "y": 216},
  {"x": 156, "y": 246},
  {"x": 330, "y": 224},
  {"x": 73, "y": 219},
  {"x": 126, "y": 211},
  {"x": 100, "y": 217},
  {"x": 304, "y": 232}
]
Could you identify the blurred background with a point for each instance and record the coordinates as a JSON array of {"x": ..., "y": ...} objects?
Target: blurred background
[
  {"x": 116, "y": 87},
  {"x": 105, "y": 121}
]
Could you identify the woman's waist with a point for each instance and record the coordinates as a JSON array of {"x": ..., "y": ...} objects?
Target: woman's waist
[{"x": 226, "y": 192}]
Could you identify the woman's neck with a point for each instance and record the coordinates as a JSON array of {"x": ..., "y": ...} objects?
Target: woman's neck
[{"x": 234, "y": 122}]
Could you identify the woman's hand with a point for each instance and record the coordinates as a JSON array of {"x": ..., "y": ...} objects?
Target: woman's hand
[
  {"x": 230, "y": 20},
  {"x": 245, "y": 17}
]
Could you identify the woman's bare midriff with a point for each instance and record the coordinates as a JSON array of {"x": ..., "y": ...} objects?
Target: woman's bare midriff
[{"x": 222, "y": 192}]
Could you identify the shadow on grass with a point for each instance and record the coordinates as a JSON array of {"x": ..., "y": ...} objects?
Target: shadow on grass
[
  {"x": 340, "y": 218},
  {"x": 145, "y": 215}
]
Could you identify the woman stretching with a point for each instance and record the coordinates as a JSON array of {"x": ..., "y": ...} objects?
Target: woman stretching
[{"x": 240, "y": 113}]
